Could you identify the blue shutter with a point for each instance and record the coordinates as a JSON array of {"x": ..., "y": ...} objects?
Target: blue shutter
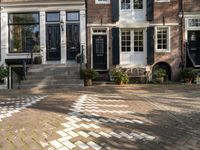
[
  {"x": 115, "y": 10},
  {"x": 115, "y": 45},
  {"x": 150, "y": 45},
  {"x": 150, "y": 10}
]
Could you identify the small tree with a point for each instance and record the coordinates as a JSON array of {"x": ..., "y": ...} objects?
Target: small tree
[{"x": 3, "y": 72}]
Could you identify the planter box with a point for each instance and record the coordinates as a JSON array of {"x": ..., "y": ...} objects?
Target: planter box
[{"x": 198, "y": 80}]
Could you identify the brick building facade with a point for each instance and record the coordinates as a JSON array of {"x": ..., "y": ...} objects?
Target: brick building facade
[{"x": 138, "y": 34}]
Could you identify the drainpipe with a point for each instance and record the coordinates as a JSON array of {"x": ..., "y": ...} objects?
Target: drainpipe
[
  {"x": 181, "y": 37},
  {"x": 86, "y": 21}
]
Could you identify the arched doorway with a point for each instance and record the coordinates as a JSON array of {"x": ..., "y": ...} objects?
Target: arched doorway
[{"x": 164, "y": 66}]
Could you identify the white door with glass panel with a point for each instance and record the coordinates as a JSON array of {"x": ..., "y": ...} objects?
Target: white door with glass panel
[{"x": 133, "y": 48}]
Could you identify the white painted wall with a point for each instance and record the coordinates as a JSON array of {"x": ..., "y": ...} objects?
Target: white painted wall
[{"x": 4, "y": 36}]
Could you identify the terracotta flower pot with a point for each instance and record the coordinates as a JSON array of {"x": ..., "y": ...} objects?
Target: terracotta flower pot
[
  {"x": 88, "y": 82},
  {"x": 188, "y": 80},
  {"x": 160, "y": 80}
]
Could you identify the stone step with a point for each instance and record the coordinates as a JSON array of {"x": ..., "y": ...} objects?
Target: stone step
[
  {"x": 25, "y": 86},
  {"x": 58, "y": 76},
  {"x": 52, "y": 81}
]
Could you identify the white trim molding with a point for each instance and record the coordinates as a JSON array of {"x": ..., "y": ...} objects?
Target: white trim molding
[{"x": 168, "y": 49}]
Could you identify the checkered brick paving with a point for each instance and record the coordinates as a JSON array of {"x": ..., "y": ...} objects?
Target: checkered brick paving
[
  {"x": 10, "y": 106},
  {"x": 83, "y": 125}
]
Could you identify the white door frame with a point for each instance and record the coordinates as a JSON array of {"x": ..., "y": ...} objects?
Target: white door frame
[{"x": 91, "y": 42}]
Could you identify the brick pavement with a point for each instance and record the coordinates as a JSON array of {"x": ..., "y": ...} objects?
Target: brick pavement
[{"x": 132, "y": 117}]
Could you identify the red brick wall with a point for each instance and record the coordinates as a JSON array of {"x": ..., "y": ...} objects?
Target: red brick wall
[
  {"x": 97, "y": 11},
  {"x": 191, "y": 5},
  {"x": 168, "y": 10},
  {"x": 173, "y": 58}
]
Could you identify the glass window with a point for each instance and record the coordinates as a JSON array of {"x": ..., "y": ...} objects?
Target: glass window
[
  {"x": 125, "y": 4},
  {"x": 162, "y": 38},
  {"x": 23, "y": 18},
  {"x": 125, "y": 41},
  {"x": 138, "y": 41},
  {"x": 102, "y": 1},
  {"x": 24, "y": 33},
  {"x": 138, "y": 4},
  {"x": 194, "y": 22},
  {"x": 53, "y": 17},
  {"x": 72, "y": 16}
]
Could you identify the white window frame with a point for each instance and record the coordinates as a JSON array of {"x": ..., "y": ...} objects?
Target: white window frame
[
  {"x": 168, "y": 39},
  {"x": 102, "y": 1},
  {"x": 132, "y": 40},
  {"x": 132, "y": 6},
  {"x": 126, "y": 30},
  {"x": 160, "y": 1}
]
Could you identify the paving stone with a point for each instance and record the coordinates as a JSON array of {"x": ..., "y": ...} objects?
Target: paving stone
[
  {"x": 115, "y": 135},
  {"x": 126, "y": 135},
  {"x": 94, "y": 145},
  {"x": 66, "y": 138},
  {"x": 94, "y": 134},
  {"x": 94, "y": 126},
  {"x": 73, "y": 134},
  {"x": 105, "y": 134},
  {"x": 56, "y": 144},
  {"x": 82, "y": 145},
  {"x": 61, "y": 133},
  {"x": 84, "y": 134},
  {"x": 147, "y": 136},
  {"x": 69, "y": 144},
  {"x": 137, "y": 136},
  {"x": 85, "y": 126}
]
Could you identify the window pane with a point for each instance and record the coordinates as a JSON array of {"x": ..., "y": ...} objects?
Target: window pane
[
  {"x": 72, "y": 16},
  {"x": 53, "y": 17},
  {"x": 24, "y": 38},
  {"x": 138, "y": 4},
  {"x": 125, "y": 41},
  {"x": 125, "y": 4},
  {"x": 138, "y": 40},
  {"x": 162, "y": 37},
  {"x": 23, "y": 18}
]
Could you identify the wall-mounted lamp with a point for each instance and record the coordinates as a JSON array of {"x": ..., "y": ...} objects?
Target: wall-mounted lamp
[{"x": 62, "y": 24}]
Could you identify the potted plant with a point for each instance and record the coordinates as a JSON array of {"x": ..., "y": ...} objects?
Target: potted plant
[
  {"x": 78, "y": 58},
  {"x": 119, "y": 76},
  {"x": 38, "y": 60},
  {"x": 160, "y": 75},
  {"x": 89, "y": 75},
  {"x": 3, "y": 73},
  {"x": 188, "y": 75}
]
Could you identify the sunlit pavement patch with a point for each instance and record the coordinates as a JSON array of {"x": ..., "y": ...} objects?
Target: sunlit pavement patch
[
  {"x": 85, "y": 123},
  {"x": 10, "y": 106}
]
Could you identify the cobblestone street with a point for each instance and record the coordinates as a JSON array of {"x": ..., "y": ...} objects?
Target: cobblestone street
[{"x": 149, "y": 117}]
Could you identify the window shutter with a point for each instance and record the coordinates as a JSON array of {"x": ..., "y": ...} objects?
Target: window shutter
[
  {"x": 115, "y": 45},
  {"x": 150, "y": 10},
  {"x": 115, "y": 10},
  {"x": 150, "y": 45}
]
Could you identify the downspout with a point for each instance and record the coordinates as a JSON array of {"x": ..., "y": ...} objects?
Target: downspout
[
  {"x": 86, "y": 22},
  {"x": 181, "y": 37}
]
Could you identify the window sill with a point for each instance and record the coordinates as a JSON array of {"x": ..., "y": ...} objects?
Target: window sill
[{"x": 163, "y": 51}]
